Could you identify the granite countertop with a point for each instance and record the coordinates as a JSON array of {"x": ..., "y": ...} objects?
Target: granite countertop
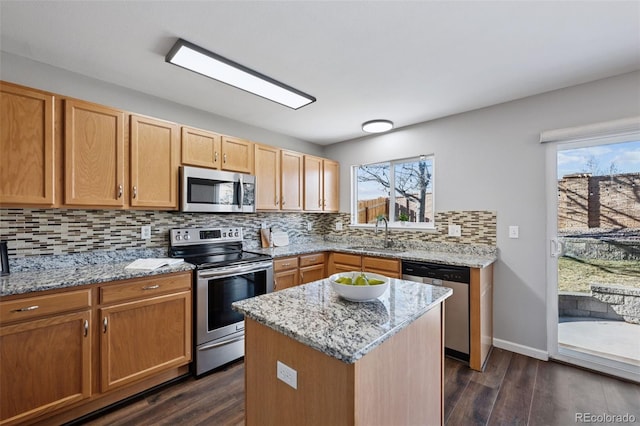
[
  {"x": 56, "y": 272},
  {"x": 460, "y": 255},
  {"x": 313, "y": 314}
]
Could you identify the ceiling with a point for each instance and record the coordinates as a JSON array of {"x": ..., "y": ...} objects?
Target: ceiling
[{"x": 404, "y": 61}]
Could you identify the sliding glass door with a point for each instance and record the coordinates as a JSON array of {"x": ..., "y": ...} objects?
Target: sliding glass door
[{"x": 593, "y": 273}]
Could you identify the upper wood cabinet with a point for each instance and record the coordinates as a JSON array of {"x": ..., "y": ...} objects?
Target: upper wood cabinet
[
  {"x": 94, "y": 155},
  {"x": 155, "y": 150},
  {"x": 321, "y": 184},
  {"x": 237, "y": 155},
  {"x": 279, "y": 179},
  {"x": 27, "y": 163},
  {"x": 291, "y": 181},
  {"x": 331, "y": 185},
  {"x": 201, "y": 148},
  {"x": 267, "y": 162}
]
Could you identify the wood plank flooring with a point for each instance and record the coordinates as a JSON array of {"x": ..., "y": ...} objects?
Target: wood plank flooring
[{"x": 513, "y": 390}]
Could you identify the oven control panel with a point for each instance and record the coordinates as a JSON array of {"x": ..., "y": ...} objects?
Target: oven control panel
[{"x": 191, "y": 236}]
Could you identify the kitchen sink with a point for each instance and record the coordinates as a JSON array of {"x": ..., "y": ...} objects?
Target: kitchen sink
[{"x": 377, "y": 249}]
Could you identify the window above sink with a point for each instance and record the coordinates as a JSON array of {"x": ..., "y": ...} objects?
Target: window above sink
[{"x": 400, "y": 190}]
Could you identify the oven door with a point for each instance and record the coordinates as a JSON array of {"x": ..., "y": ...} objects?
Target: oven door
[{"x": 218, "y": 288}]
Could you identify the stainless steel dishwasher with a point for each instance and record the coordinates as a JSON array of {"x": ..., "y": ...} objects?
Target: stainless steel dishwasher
[{"x": 456, "y": 309}]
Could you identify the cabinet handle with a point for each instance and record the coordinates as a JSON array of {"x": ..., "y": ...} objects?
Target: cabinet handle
[
  {"x": 224, "y": 158},
  {"x": 275, "y": 201},
  {"x": 151, "y": 287},
  {"x": 286, "y": 264},
  {"x": 105, "y": 322},
  {"x": 120, "y": 189},
  {"x": 28, "y": 308},
  {"x": 135, "y": 191},
  {"x": 319, "y": 203},
  {"x": 86, "y": 328},
  {"x": 215, "y": 157},
  {"x": 283, "y": 201}
]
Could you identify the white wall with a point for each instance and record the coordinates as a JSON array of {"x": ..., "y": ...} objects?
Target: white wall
[
  {"x": 20, "y": 70},
  {"x": 490, "y": 159}
]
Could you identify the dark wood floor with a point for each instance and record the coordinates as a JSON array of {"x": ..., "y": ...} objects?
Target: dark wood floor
[{"x": 513, "y": 390}]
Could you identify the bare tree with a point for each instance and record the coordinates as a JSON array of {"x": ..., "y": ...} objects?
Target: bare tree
[
  {"x": 592, "y": 165},
  {"x": 411, "y": 180}
]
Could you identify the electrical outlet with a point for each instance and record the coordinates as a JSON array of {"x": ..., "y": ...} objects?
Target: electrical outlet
[
  {"x": 263, "y": 225},
  {"x": 514, "y": 231},
  {"x": 455, "y": 230},
  {"x": 309, "y": 226},
  {"x": 338, "y": 226},
  {"x": 287, "y": 374},
  {"x": 145, "y": 232}
]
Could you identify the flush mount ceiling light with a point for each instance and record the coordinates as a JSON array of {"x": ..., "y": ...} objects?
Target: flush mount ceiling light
[
  {"x": 197, "y": 59},
  {"x": 377, "y": 126}
]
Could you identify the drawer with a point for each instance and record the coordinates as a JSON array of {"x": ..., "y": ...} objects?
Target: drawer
[
  {"x": 39, "y": 306},
  {"x": 145, "y": 287},
  {"x": 381, "y": 264},
  {"x": 285, "y": 263},
  {"x": 348, "y": 259},
  {"x": 311, "y": 259}
]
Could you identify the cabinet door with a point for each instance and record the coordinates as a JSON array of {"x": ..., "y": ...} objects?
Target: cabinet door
[
  {"x": 46, "y": 364},
  {"x": 26, "y": 143},
  {"x": 312, "y": 273},
  {"x": 380, "y": 265},
  {"x": 154, "y": 163},
  {"x": 237, "y": 155},
  {"x": 285, "y": 279},
  {"x": 200, "y": 148},
  {"x": 291, "y": 180},
  {"x": 267, "y": 177},
  {"x": 330, "y": 186},
  {"x": 312, "y": 183},
  {"x": 144, "y": 337},
  {"x": 94, "y": 155}
]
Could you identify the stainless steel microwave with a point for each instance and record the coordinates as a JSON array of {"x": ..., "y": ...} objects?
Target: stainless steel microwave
[{"x": 216, "y": 191}]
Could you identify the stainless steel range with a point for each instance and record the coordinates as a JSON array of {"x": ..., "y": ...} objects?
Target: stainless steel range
[{"x": 224, "y": 274}]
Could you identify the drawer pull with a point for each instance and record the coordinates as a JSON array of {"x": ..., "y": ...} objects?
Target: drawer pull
[
  {"x": 105, "y": 322},
  {"x": 120, "y": 189},
  {"x": 286, "y": 264},
  {"x": 86, "y": 328},
  {"x": 28, "y": 308},
  {"x": 151, "y": 287}
]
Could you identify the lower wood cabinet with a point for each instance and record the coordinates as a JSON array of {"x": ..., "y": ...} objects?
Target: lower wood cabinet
[
  {"x": 295, "y": 270},
  {"x": 144, "y": 337},
  {"x": 46, "y": 357},
  {"x": 346, "y": 262},
  {"x": 285, "y": 273},
  {"x": 65, "y": 354}
]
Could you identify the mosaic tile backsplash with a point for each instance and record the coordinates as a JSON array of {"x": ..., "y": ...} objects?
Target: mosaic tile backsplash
[{"x": 34, "y": 232}]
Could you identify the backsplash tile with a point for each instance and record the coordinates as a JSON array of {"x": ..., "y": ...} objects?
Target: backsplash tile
[{"x": 34, "y": 232}]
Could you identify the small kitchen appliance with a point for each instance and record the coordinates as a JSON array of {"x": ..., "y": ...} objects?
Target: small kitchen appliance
[
  {"x": 225, "y": 273},
  {"x": 216, "y": 191}
]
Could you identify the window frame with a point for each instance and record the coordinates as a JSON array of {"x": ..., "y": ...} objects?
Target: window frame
[{"x": 395, "y": 224}]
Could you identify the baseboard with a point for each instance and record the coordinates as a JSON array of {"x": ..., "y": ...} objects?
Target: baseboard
[{"x": 521, "y": 349}]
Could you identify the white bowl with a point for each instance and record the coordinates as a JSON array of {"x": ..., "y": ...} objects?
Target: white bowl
[{"x": 359, "y": 293}]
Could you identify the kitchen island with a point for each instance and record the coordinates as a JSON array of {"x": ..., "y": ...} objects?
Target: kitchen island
[{"x": 378, "y": 362}]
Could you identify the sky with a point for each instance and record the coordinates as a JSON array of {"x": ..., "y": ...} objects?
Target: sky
[{"x": 624, "y": 156}]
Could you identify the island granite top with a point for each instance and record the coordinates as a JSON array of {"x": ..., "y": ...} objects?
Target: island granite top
[{"x": 314, "y": 314}]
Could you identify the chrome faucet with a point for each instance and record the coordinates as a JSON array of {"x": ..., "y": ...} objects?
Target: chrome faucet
[{"x": 387, "y": 243}]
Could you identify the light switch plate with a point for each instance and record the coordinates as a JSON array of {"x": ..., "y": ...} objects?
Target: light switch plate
[
  {"x": 338, "y": 226},
  {"x": 145, "y": 232},
  {"x": 514, "y": 231},
  {"x": 287, "y": 374},
  {"x": 455, "y": 230}
]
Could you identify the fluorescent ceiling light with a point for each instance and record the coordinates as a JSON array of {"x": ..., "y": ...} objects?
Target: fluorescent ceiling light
[
  {"x": 377, "y": 126},
  {"x": 197, "y": 59}
]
